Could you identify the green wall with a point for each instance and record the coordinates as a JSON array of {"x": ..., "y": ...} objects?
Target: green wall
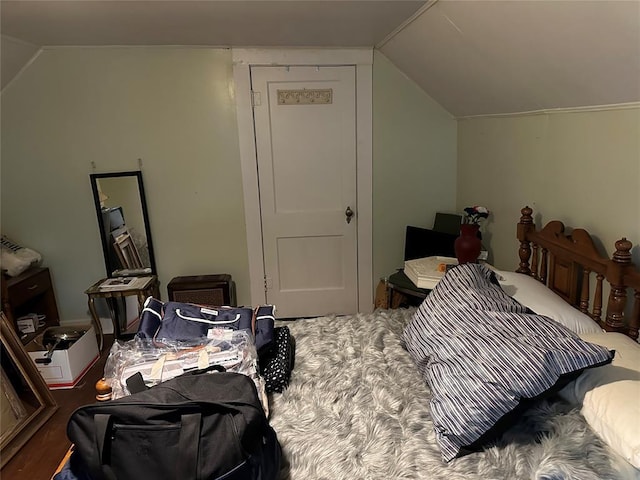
[
  {"x": 76, "y": 111},
  {"x": 414, "y": 162},
  {"x": 580, "y": 167},
  {"x": 76, "y": 108}
]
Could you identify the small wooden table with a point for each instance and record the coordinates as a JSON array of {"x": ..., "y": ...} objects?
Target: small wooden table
[
  {"x": 400, "y": 283},
  {"x": 142, "y": 287}
]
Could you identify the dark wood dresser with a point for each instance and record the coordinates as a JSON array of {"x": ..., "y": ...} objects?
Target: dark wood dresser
[{"x": 30, "y": 292}]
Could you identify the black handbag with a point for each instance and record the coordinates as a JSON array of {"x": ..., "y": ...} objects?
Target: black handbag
[
  {"x": 276, "y": 365},
  {"x": 196, "y": 426}
]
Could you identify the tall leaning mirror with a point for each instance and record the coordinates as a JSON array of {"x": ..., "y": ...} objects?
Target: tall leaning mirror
[{"x": 124, "y": 223}]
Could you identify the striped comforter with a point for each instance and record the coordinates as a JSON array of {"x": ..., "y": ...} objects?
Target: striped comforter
[{"x": 484, "y": 355}]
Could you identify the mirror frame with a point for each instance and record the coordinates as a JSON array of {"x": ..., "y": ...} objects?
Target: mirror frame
[
  {"x": 13, "y": 441},
  {"x": 145, "y": 216}
]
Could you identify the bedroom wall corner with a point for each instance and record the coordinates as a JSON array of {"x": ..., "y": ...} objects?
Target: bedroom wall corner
[
  {"x": 414, "y": 162},
  {"x": 15, "y": 56},
  {"x": 174, "y": 108},
  {"x": 581, "y": 167}
]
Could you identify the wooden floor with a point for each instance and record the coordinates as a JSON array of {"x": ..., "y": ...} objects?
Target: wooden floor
[{"x": 40, "y": 456}]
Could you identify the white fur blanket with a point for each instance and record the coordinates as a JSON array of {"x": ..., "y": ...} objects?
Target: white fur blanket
[{"x": 357, "y": 408}]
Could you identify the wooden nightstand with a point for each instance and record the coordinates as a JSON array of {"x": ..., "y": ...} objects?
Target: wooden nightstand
[
  {"x": 30, "y": 292},
  {"x": 400, "y": 283}
]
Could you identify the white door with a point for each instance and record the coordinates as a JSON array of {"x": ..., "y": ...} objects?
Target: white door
[{"x": 305, "y": 128}]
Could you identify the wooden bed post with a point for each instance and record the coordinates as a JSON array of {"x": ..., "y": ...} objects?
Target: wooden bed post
[
  {"x": 584, "y": 292},
  {"x": 525, "y": 225},
  {"x": 621, "y": 260},
  {"x": 597, "y": 299}
]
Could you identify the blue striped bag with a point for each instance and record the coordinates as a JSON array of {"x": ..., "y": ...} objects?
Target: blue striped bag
[{"x": 187, "y": 322}]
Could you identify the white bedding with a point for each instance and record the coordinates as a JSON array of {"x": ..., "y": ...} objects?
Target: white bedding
[
  {"x": 358, "y": 409},
  {"x": 533, "y": 294},
  {"x": 609, "y": 396}
]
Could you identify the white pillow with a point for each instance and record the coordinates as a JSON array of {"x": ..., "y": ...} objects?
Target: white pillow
[
  {"x": 16, "y": 262},
  {"x": 533, "y": 294},
  {"x": 610, "y": 395}
]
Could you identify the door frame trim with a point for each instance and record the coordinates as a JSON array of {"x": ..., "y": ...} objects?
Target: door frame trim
[{"x": 362, "y": 59}]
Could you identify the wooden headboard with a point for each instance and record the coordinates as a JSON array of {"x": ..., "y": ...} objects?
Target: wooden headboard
[{"x": 567, "y": 263}]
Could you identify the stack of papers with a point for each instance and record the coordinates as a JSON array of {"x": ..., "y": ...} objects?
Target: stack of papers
[
  {"x": 427, "y": 272},
  {"x": 131, "y": 272},
  {"x": 124, "y": 283}
]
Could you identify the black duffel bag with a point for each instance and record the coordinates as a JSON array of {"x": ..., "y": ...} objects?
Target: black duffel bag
[{"x": 196, "y": 426}]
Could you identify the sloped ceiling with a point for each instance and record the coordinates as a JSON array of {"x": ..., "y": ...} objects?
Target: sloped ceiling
[
  {"x": 340, "y": 23},
  {"x": 474, "y": 57},
  {"x": 334, "y": 23},
  {"x": 489, "y": 57},
  {"x": 15, "y": 54}
]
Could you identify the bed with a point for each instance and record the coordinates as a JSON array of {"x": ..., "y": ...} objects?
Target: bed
[
  {"x": 358, "y": 408},
  {"x": 363, "y": 402}
]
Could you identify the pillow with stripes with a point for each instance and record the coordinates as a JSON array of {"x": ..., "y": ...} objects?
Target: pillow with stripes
[{"x": 486, "y": 357}]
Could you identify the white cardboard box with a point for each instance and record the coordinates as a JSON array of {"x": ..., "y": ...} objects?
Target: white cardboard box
[{"x": 68, "y": 366}]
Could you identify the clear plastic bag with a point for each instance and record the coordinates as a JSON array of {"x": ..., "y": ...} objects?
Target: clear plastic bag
[{"x": 232, "y": 349}]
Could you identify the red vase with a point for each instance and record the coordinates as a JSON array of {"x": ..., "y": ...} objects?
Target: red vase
[{"x": 467, "y": 246}]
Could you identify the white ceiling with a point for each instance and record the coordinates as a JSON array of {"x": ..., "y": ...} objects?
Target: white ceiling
[
  {"x": 488, "y": 57},
  {"x": 338, "y": 23},
  {"x": 472, "y": 56}
]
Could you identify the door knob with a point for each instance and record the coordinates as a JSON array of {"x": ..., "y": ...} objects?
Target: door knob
[{"x": 348, "y": 213}]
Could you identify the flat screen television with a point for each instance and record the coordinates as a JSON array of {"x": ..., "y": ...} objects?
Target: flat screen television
[
  {"x": 422, "y": 242},
  {"x": 112, "y": 218}
]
